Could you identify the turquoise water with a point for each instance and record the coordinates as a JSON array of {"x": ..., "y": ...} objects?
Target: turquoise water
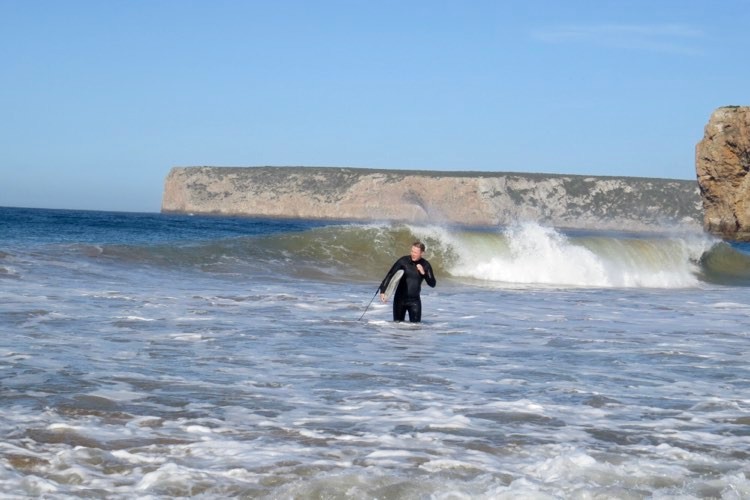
[{"x": 158, "y": 356}]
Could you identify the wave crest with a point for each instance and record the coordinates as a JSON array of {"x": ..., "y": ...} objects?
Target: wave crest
[
  {"x": 532, "y": 254},
  {"x": 523, "y": 254}
]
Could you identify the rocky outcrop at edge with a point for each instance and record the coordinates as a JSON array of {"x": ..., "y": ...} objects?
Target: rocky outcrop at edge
[
  {"x": 471, "y": 198},
  {"x": 722, "y": 162}
]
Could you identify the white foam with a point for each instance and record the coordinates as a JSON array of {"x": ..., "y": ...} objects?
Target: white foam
[
  {"x": 198, "y": 429},
  {"x": 36, "y": 486},
  {"x": 529, "y": 253},
  {"x": 731, "y": 305},
  {"x": 188, "y": 337},
  {"x": 135, "y": 318},
  {"x": 167, "y": 476},
  {"x": 389, "y": 454},
  {"x": 122, "y": 395},
  {"x": 62, "y": 427},
  {"x": 448, "y": 464},
  {"x": 138, "y": 458}
]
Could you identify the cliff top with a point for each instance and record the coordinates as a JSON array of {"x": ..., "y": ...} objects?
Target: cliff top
[{"x": 428, "y": 173}]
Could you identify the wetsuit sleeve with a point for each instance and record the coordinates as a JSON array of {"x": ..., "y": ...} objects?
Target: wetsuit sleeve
[
  {"x": 395, "y": 267},
  {"x": 429, "y": 276}
]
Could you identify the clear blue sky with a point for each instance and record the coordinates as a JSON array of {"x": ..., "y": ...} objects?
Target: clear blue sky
[{"x": 100, "y": 98}]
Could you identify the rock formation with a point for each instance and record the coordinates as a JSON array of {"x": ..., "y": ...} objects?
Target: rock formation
[
  {"x": 472, "y": 198},
  {"x": 722, "y": 161}
]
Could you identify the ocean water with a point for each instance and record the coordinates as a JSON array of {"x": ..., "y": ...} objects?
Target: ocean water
[{"x": 158, "y": 356}]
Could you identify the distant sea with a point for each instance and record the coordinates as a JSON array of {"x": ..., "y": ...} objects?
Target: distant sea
[{"x": 160, "y": 356}]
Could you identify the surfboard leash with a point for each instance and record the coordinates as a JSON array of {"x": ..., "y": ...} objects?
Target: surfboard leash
[{"x": 368, "y": 305}]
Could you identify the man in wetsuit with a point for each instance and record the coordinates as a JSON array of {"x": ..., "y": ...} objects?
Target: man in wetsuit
[{"x": 406, "y": 297}]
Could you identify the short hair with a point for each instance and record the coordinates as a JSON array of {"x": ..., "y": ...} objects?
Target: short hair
[{"x": 418, "y": 244}]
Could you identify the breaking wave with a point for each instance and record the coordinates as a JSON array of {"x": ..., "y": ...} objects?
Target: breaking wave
[{"x": 524, "y": 254}]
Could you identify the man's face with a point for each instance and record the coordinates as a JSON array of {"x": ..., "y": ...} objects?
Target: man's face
[{"x": 416, "y": 253}]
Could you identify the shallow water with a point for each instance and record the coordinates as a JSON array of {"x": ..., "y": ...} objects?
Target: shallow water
[{"x": 172, "y": 364}]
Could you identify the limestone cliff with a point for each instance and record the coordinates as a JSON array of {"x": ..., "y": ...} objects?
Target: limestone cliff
[
  {"x": 473, "y": 198},
  {"x": 722, "y": 162}
]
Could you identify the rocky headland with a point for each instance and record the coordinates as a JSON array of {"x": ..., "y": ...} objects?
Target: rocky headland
[
  {"x": 471, "y": 198},
  {"x": 722, "y": 163}
]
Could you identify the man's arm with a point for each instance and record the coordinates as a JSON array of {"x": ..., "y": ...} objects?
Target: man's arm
[
  {"x": 395, "y": 267},
  {"x": 429, "y": 276}
]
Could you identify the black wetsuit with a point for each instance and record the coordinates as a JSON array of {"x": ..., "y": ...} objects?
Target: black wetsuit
[{"x": 406, "y": 297}]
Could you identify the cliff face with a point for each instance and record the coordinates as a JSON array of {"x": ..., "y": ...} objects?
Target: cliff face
[
  {"x": 722, "y": 162},
  {"x": 475, "y": 198}
]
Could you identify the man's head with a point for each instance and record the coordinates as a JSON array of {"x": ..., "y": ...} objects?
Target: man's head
[{"x": 417, "y": 249}]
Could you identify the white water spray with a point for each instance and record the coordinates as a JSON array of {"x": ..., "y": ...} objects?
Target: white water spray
[{"x": 529, "y": 253}]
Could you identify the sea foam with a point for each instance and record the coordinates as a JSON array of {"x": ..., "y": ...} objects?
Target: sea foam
[{"x": 533, "y": 254}]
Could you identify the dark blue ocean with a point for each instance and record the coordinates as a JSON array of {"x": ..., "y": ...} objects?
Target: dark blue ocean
[{"x": 162, "y": 356}]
